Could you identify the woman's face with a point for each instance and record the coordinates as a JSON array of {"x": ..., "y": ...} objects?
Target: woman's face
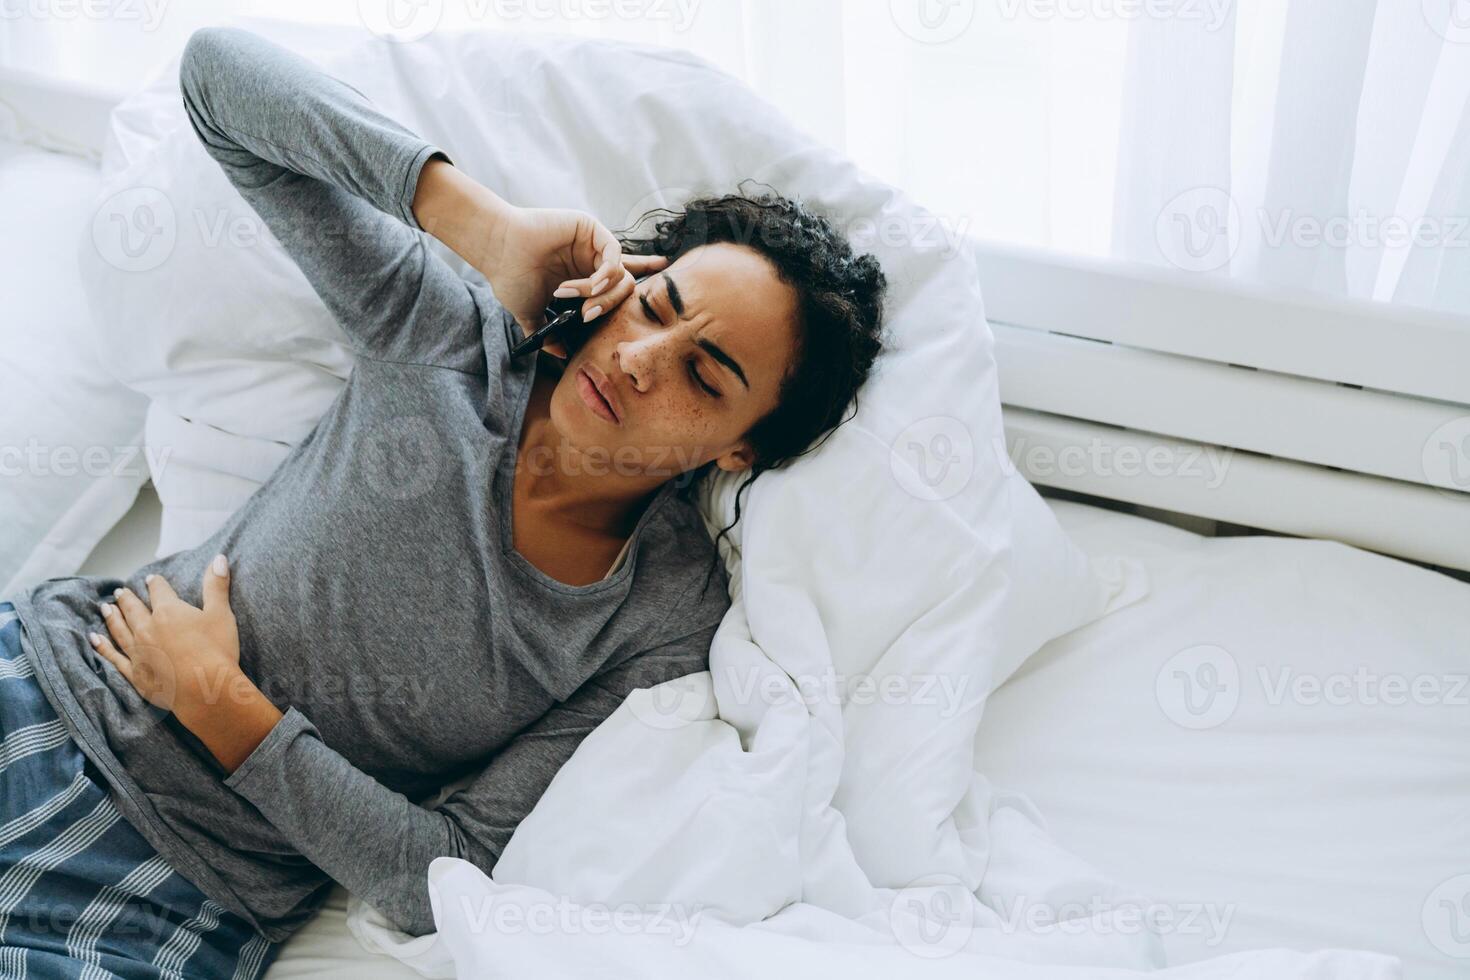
[{"x": 690, "y": 362}]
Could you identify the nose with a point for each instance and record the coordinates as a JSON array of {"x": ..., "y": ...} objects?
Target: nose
[{"x": 642, "y": 359}]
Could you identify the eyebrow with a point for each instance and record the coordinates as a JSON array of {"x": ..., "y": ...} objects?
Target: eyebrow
[
  {"x": 718, "y": 353},
  {"x": 675, "y": 300},
  {"x": 709, "y": 346}
]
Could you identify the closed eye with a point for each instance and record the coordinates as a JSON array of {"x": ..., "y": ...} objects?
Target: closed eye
[
  {"x": 648, "y": 309},
  {"x": 694, "y": 373}
]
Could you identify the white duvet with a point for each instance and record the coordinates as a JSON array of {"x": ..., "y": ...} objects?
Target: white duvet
[
  {"x": 809, "y": 804},
  {"x": 690, "y": 836}
]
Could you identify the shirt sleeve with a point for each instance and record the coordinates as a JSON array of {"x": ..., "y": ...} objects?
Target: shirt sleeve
[
  {"x": 378, "y": 844},
  {"x": 334, "y": 181}
]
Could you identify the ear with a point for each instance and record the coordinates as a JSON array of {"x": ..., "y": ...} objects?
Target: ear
[{"x": 737, "y": 458}]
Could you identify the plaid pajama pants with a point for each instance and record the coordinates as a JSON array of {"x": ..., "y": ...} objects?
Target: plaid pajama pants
[{"x": 82, "y": 893}]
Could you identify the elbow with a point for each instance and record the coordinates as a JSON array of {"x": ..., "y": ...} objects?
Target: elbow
[
  {"x": 407, "y": 901},
  {"x": 418, "y": 924},
  {"x": 210, "y": 47},
  {"x": 200, "y": 51},
  {"x": 193, "y": 69},
  {"x": 483, "y": 854},
  {"x": 404, "y": 902},
  {"x": 207, "y": 54}
]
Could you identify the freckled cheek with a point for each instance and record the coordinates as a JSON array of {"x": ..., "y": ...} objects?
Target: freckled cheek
[{"x": 681, "y": 420}]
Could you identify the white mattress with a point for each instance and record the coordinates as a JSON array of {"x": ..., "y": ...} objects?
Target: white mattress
[{"x": 1292, "y": 823}]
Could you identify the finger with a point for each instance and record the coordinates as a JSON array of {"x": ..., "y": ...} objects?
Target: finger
[
  {"x": 110, "y": 653},
  {"x": 638, "y": 265},
  {"x": 117, "y": 626},
  {"x": 594, "y": 306},
  {"x": 577, "y": 287},
  {"x": 593, "y": 284},
  {"x": 217, "y": 585},
  {"x": 642, "y": 265},
  {"x": 133, "y": 608},
  {"x": 611, "y": 252},
  {"x": 159, "y": 590},
  {"x": 610, "y": 299}
]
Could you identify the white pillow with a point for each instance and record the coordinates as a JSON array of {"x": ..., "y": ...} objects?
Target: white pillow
[
  {"x": 71, "y": 457},
  {"x": 233, "y": 337}
]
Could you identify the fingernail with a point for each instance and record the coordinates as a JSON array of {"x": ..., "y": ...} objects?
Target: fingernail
[
  {"x": 593, "y": 313},
  {"x": 106, "y": 608},
  {"x": 565, "y": 291},
  {"x": 149, "y": 578},
  {"x": 599, "y": 287},
  {"x": 117, "y": 593},
  {"x": 95, "y": 638},
  {"x": 220, "y": 565}
]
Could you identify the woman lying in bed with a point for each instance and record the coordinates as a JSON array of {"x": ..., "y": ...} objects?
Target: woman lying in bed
[{"x": 463, "y": 569}]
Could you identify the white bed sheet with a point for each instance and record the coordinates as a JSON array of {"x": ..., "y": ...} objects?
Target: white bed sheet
[
  {"x": 1300, "y": 825},
  {"x": 1317, "y": 819}
]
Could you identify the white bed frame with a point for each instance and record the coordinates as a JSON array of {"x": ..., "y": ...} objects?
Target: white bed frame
[
  {"x": 1333, "y": 419},
  {"x": 1189, "y": 395}
]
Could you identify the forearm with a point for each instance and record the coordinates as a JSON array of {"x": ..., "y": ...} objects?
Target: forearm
[
  {"x": 254, "y": 102},
  {"x": 374, "y": 841},
  {"x": 459, "y": 211},
  {"x": 233, "y": 724},
  {"x": 260, "y": 109},
  {"x": 334, "y": 179}
]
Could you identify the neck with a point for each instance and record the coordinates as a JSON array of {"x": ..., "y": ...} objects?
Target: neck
[{"x": 560, "y": 481}]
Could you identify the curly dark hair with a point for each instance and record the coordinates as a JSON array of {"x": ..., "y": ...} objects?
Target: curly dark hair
[{"x": 840, "y": 314}]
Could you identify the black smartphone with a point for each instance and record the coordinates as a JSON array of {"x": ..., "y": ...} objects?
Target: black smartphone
[
  {"x": 563, "y": 322},
  {"x": 563, "y": 318}
]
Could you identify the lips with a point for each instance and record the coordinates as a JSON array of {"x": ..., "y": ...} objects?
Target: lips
[{"x": 597, "y": 393}]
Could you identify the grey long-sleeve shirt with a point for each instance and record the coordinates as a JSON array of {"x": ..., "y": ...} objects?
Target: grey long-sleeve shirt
[{"x": 380, "y": 601}]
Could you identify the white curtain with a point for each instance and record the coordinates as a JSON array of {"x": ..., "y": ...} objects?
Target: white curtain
[
  {"x": 1316, "y": 145},
  {"x": 1319, "y": 145},
  {"x": 1313, "y": 144}
]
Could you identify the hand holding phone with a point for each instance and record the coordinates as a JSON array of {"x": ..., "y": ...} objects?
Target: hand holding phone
[
  {"x": 561, "y": 316},
  {"x": 564, "y": 323}
]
